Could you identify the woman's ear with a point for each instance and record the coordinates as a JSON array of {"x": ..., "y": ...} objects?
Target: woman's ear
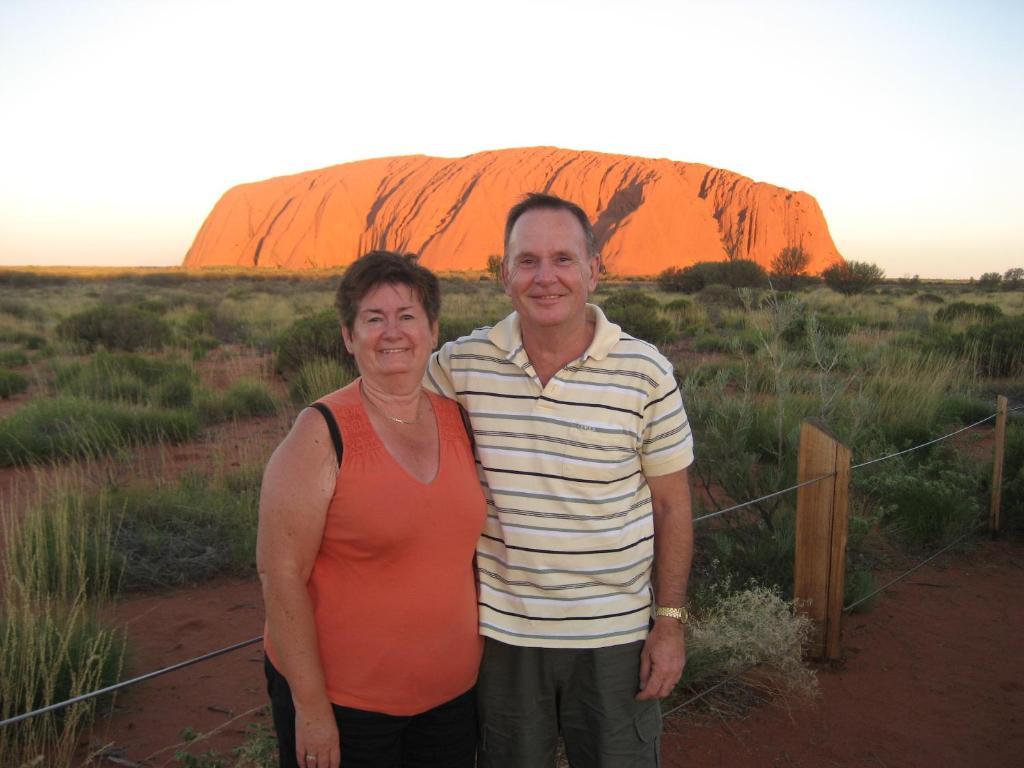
[{"x": 347, "y": 338}]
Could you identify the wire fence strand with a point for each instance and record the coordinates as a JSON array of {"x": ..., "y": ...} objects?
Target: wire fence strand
[
  {"x": 905, "y": 574},
  {"x": 922, "y": 445},
  {"x": 132, "y": 681},
  {"x": 767, "y": 496}
]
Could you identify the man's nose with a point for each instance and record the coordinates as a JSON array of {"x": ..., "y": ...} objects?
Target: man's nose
[{"x": 545, "y": 271}]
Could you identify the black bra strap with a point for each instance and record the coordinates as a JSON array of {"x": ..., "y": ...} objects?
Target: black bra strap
[
  {"x": 332, "y": 427},
  {"x": 469, "y": 427}
]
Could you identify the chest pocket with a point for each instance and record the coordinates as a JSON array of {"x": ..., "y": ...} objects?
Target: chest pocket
[{"x": 598, "y": 458}]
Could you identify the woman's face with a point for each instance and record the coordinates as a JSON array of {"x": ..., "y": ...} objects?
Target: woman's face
[{"x": 391, "y": 335}]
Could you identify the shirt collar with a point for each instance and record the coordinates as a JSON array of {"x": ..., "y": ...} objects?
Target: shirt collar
[{"x": 507, "y": 335}]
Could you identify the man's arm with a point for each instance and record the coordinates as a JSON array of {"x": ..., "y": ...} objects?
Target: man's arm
[
  {"x": 664, "y": 653},
  {"x": 438, "y": 374}
]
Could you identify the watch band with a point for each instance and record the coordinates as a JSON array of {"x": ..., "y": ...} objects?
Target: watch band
[{"x": 679, "y": 614}]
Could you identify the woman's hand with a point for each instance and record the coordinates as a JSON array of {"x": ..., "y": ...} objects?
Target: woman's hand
[{"x": 316, "y": 737}]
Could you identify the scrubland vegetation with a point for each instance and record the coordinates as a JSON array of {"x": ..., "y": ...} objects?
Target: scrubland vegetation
[{"x": 99, "y": 371}]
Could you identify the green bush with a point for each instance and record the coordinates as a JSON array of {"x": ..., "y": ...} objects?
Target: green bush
[
  {"x": 186, "y": 532},
  {"x": 317, "y": 335},
  {"x": 925, "y": 501},
  {"x": 1013, "y": 480},
  {"x": 721, "y": 296},
  {"x": 13, "y": 358},
  {"x": 69, "y": 427},
  {"x": 929, "y": 298},
  {"x": 852, "y": 277},
  {"x": 739, "y": 273},
  {"x": 117, "y": 327},
  {"x": 979, "y": 313},
  {"x": 999, "y": 345},
  {"x": 11, "y": 383},
  {"x": 638, "y": 314}
]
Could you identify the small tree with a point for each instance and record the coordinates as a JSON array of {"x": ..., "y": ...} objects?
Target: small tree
[
  {"x": 789, "y": 266},
  {"x": 1013, "y": 279},
  {"x": 990, "y": 281},
  {"x": 850, "y": 277},
  {"x": 494, "y": 266}
]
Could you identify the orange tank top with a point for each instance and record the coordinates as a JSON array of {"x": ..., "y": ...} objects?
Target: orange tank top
[{"x": 393, "y": 586}]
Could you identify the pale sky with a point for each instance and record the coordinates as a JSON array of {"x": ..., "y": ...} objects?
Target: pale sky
[{"x": 122, "y": 123}]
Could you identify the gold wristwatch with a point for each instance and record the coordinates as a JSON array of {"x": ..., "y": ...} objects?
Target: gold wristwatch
[{"x": 679, "y": 614}]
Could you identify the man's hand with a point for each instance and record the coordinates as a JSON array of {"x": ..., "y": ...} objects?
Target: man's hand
[{"x": 662, "y": 659}]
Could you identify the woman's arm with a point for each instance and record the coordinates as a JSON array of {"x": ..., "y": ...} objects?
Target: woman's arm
[{"x": 297, "y": 488}]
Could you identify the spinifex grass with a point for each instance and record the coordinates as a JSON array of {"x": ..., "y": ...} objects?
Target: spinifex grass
[
  {"x": 317, "y": 378},
  {"x": 50, "y": 651},
  {"x": 70, "y": 427},
  {"x": 57, "y": 572}
]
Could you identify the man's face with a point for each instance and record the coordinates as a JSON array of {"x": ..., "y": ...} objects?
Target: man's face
[{"x": 547, "y": 272}]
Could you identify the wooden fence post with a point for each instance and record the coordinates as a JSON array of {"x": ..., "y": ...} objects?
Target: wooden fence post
[
  {"x": 821, "y": 522},
  {"x": 994, "y": 521}
]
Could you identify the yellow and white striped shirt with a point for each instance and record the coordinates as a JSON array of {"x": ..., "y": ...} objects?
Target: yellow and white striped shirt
[{"x": 565, "y": 557}]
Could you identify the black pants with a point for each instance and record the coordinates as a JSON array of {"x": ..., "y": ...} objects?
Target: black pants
[{"x": 442, "y": 737}]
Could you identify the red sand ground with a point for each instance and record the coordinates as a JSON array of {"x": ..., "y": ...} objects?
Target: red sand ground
[{"x": 931, "y": 677}]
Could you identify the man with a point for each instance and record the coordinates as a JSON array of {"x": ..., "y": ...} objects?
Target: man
[{"x": 583, "y": 444}]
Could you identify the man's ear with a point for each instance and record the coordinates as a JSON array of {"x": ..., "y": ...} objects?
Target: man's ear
[
  {"x": 505, "y": 275},
  {"x": 595, "y": 272}
]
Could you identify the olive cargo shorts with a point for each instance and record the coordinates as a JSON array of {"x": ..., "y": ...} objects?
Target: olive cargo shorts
[{"x": 527, "y": 696}]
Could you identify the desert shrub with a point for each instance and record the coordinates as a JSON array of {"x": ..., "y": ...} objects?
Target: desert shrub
[
  {"x": 929, "y": 298},
  {"x": 452, "y": 328},
  {"x": 317, "y": 378},
  {"x": 858, "y": 584},
  {"x": 638, "y": 314},
  {"x": 317, "y": 335},
  {"x": 31, "y": 341},
  {"x": 244, "y": 399},
  {"x": 979, "y": 313},
  {"x": 747, "y": 628},
  {"x": 925, "y": 501},
  {"x": 115, "y": 327},
  {"x": 999, "y": 346},
  {"x": 990, "y": 281},
  {"x": 964, "y": 408},
  {"x": 186, "y": 532},
  {"x": 739, "y": 273},
  {"x": 721, "y": 296},
  {"x": 745, "y": 342},
  {"x": 70, "y": 427},
  {"x": 751, "y": 550},
  {"x": 852, "y": 277},
  {"x": 686, "y": 314},
  {"x": 11, "y": 383},
  {"x": 13, "y": 358},
  {"x": 1013, "y": 479}
]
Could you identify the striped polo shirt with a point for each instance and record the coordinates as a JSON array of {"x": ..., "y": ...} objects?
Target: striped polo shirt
[{"x": 566, "y": 552}]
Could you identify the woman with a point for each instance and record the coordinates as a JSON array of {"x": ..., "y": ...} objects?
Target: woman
[{"x": 365, "y": 550}]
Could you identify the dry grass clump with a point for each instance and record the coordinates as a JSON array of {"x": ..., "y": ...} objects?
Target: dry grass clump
[{"x": 747, "y": 630}]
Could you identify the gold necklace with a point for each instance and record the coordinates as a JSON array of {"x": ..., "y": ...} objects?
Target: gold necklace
[{"x": 395, "y": 418}]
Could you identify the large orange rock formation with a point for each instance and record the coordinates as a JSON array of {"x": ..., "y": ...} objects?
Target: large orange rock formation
[{"x": 648, "y": 214}]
